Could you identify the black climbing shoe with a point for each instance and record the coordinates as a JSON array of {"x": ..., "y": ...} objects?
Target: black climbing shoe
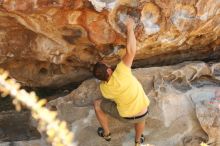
[
  {"x": 142, "y": 139},
  {"x": 100, "y": 132}
]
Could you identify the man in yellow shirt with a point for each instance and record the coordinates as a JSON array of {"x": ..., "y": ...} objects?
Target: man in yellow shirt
[{"x": 124, "y": 97}]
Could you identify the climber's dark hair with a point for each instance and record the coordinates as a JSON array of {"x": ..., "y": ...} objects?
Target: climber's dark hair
[{"x": 100, "y": 71}]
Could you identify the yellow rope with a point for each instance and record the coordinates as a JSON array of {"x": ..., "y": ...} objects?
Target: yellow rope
[
  {"x": 56, "y": 130},
  {"x": 203, "y": 144}
]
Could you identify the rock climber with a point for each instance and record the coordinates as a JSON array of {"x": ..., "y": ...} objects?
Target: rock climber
[{"x": 124, "y": 96}]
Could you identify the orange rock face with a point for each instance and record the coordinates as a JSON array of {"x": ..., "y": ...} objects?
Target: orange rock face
[{"x": 54, "y": 42}]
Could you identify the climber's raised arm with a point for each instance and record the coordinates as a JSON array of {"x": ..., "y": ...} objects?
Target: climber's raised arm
[{"x": 131, "y": 43}]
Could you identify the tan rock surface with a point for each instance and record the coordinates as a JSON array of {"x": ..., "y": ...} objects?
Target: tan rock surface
[
  {"x": 209, "y": 116},
  {"x": 182, "y": 111},
  {"x": 52, "y": 43}
]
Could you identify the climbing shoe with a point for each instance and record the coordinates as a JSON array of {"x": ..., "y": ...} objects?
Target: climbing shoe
[
  {"x": 100, "y": 132},
  {"x": 142, "y": 139}
]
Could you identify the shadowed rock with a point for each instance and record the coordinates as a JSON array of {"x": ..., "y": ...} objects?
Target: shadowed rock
[{"x": 17, "y": 127}]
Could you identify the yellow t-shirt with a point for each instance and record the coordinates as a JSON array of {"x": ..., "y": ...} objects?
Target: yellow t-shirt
[{"x": 126, "y": 91}]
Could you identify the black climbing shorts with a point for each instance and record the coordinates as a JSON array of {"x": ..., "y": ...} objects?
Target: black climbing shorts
[{"x": 109, "y": 107}]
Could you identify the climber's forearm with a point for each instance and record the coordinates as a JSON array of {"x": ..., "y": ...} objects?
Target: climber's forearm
[{"x": 131, "y": 41}]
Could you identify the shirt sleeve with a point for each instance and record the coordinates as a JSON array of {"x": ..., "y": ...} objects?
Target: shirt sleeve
[
  {"x": 105, "y": 91},
  {"x": 122, "y": 69}
]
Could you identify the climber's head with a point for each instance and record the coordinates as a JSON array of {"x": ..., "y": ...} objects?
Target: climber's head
[{"x": 102, "y": 71}]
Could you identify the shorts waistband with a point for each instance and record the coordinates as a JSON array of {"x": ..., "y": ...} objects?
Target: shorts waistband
[{"x": 136, "y": 117}]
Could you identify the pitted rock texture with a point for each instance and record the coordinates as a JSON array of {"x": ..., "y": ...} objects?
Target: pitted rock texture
[
  {"x": 208, "y": 114},
  {"x": 54, "y": 42},
  {"x": 184, "y": 109}
]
